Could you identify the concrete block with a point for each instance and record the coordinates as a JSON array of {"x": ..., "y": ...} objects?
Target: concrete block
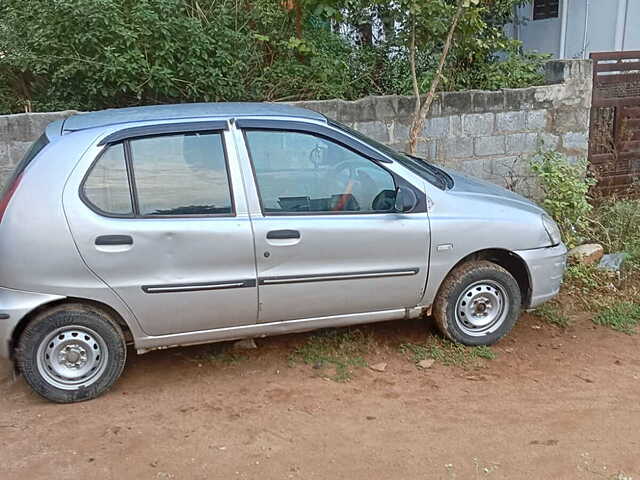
[
  {"x": 329, "y": 108},
  {"x": 510, "y": 166},
  {"x": 475, "y": 168},
  {"x": 521, "y": 143},
  {"x": 400, "y": 132},
  {"x": 426, "y": 149},
  {"x": 406, "y": 107},
  {"x": 456, "y": 102},
  {"x": 436, "y": 127},
  {"x": 478, "y": 123},
  {"x": 537, "y": 119},
  {"x": 377, "y": 130},
  {"x": 575, "y": 141},
  {"x": 455, "y": 125},
  {"x": 484, "y": 101},
  {"x": 571, "y": 119},
  {"x": 519, "y": 98},
  {"x": 16, "y": 151},
  {"x": 548, "y": 141},
  {"x": 386, "y": 107},
  {"x": 489, "y": 145},
  {"x": 453, "y": 148},
  {"x": 511, "y": 121},
  {"x": 363, "y": 110}
]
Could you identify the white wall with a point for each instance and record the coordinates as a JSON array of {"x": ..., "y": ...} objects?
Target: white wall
[
  {"x": 611, "y": 25},
  {"x": 632, "y": 30},
  {"x": 540, "y": 35}
]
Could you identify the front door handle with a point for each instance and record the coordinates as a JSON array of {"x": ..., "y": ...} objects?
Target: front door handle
[
  {"x": 114, "y": 240},
  {"x": 283, "y": 234}
]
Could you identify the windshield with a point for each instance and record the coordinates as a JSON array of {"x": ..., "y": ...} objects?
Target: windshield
[{"x": 417, "y": 165}]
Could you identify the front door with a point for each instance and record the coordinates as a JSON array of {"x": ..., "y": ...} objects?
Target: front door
[
  {"x": 328, "y": 241},
  {"x": 156, "y": 220}
]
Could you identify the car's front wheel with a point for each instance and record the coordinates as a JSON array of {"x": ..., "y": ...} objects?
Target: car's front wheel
[
  {"x": 478, "y": 303},
  {"x": 71, "y": 353}
]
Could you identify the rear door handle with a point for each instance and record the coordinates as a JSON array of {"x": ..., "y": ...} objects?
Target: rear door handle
[
  {"x": 283, "y": 234},
  {"x": 114, "y": 240}
]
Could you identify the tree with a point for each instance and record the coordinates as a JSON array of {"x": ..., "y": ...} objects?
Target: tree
[{"x": 422, "y": 108}]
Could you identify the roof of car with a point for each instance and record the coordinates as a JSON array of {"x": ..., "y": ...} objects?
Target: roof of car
[{"x": 114, "y": 116}]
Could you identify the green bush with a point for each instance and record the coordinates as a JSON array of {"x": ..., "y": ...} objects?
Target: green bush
[
  {"x": 93, "y": 54},
  {"x": 615, "y": 223},
  {"x": 566, "y": 193}
]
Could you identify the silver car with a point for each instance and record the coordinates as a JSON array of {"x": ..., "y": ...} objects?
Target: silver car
[{"x": 184, "y": 224}]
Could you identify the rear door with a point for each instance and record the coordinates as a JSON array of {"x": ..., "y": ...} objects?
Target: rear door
[
  {"x": 327, "y": 238},
  {"x": 159, "y": 217}
]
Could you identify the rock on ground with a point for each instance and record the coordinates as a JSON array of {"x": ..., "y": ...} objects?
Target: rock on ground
[
  {"x": 379, "y": 367},
  {"x": 428, "y": 363},
  {"x": 586, "y": 254},
  {"x": 246, "y": 344}
]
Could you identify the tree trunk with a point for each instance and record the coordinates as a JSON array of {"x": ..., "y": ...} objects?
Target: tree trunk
[{"x": 422, "y": 109}]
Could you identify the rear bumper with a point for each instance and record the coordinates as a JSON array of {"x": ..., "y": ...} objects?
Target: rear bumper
[
  {"x": 546, "y": 269},
  {"x": 14, "y": 305}
]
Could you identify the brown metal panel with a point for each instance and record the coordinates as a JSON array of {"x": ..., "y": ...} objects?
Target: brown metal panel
[
  {"x": 615, "y": 55},
  {"x": 614, "y": 138},
  {"x": 617, "y": 67}
]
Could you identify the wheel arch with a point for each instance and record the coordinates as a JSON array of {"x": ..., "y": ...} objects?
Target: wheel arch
[
  {"x": 508, "y": 260},
  {"x": 48, "y": 306}
]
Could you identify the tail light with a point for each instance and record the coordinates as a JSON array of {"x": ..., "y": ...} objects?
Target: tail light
[{"x": 8, "y": 193}]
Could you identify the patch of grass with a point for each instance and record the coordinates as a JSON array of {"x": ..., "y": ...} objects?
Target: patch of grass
[
  {"x": 551, "y": 313},
  {"x": 598, "y": 289},
  {"x": 447, "y": 353},
  {"x": 586, "y": 277},
  {"x": 343, "y": 350},
  {"x": 623, "y": 317}
]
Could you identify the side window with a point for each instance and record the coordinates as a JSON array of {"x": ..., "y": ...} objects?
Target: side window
[
  {"x": 107, "y": 185},
  {"x": 182, "y": 174},
  {"x": 299, "y": 172}
]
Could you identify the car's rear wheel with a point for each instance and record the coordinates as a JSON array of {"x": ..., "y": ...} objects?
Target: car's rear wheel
[
  {"x": 478, "y": 303},
  {"x": 71, "y": 353}
]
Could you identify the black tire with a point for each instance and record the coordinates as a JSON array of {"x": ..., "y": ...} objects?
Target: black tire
[
  {"x": 87, "y": 333},
  {"x": 471, "y": 291}
]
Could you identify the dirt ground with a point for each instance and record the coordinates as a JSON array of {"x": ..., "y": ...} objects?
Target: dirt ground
[{"x": 558, "y": 404}]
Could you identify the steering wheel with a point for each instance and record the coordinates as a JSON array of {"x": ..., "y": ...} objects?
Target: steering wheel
[{"x": 357, "y": 173}]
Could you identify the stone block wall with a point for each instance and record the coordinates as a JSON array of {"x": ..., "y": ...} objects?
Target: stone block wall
[
  {"x": 487, "y": 134},
  {"x": 17, "y": 133}
]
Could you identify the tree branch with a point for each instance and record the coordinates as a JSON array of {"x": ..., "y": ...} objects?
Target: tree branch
[{"x": 422, "y": 110}]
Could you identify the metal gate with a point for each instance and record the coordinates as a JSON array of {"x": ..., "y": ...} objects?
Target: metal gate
[{"x": 614, "y": 137}]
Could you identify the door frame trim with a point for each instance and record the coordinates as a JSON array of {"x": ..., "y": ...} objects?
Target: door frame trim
[
  {"x": 195, "y": 287},
  {"x": 326, "y": 277}
]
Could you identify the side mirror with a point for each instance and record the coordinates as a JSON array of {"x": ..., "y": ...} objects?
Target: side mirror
[{"x": 406, "y": 200}]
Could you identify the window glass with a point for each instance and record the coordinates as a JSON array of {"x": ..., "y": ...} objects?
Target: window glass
[
  {"x": 107, "y": 186},
  {"x": 182, "y": 174},
  {"x": 300, "y": 172},
  {"x": 545, "y": 9}
]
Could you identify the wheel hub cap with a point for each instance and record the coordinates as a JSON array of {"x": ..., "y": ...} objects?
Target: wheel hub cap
[
  {"x": 70, "y": 357},
  {"x": 481, "y": 308}
]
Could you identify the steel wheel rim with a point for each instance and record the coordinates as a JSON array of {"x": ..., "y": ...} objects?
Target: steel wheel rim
[
  {"x": 72, "y": 357},
  {"x": 481, "y": 308}
]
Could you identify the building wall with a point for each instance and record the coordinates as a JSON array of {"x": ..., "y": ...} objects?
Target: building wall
[
  {"x": 491, "y": 135},
  {"x": 611, "y": 25}
]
